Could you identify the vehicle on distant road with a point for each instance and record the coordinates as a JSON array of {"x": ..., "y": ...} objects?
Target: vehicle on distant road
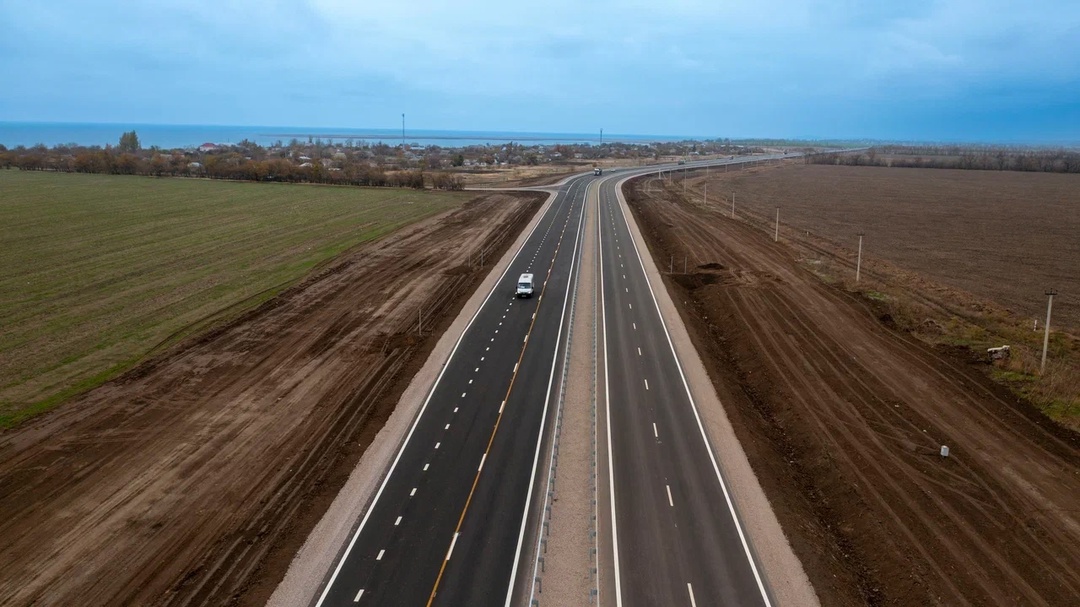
[
  {"x": 524, "y": 286},
  {"x": 598, "y": 171}
]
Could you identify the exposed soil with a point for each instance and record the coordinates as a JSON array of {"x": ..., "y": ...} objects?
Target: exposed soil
[
  {"x": 843, "y": 417},
  {"x": 1004, "y": 236},
  {"x": 193, "y": 479}
]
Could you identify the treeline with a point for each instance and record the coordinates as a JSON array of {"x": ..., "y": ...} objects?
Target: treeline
[
  {"x": 957, "y": 157},
  {"x": 229, "y": 165}
]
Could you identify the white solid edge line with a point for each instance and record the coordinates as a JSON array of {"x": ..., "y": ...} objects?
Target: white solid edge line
[
  {"x": 690, "y": 589},
  {"x": 547, "y": 400},
  {"x": 607, "y": 411},
  {"x": 693, "y": 406},
  {"x": 390, "y": 472}
]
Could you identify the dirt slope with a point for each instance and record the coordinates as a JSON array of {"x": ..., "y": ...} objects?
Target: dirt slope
[
  {"x": 193, "y": 479},
  {"x": 843, "y": 419}
]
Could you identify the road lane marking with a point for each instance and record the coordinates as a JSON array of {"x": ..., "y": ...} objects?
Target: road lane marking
[
  {"x": 478, "y": 368},
  {"x": 646, "y": 384},
  {"x": 690, "y": 589},
  {"x": 381, "y": 552},
  {"x": 397, "y": 522},
  {"x": 451, "y": 550},
  {"x": 447, "y": 427},
  {"x": 470, "y": 381},
  {"x": 426, "y": 467},
  {"x": 455, "y": 409},
  {"x": 462, "y": 395},
  {"x": 501, "y": 406},
  {"x": 358, "y": 595},
  {"x": 515, "y": 367},
  {"x": 654, "y": 432},
  {"x": 631, "y": 305},
  {"x": 481, "y": 466},
  {"x": 670, "y": 503},
  {"x": 551, "y": 208},
  {"x": 701, "y": 427},
  {"x": 639, "y": 351},
  {"x": 633, "y": 323},
  {"x": 437, "y": 445},
  {"x": 413, "y": 492}
]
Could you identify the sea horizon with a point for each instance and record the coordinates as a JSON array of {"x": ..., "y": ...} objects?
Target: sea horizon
[{"x": 172, "y": 136}]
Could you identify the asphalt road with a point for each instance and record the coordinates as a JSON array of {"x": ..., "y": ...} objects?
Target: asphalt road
[
  {"x": 675, "y": 536},
  {"x": 445, "y": 527},
  {"x": 448, "y": 524}
]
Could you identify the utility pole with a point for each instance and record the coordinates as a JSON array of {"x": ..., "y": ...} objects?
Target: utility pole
[
  {"x": 858, "y": 264},
  {"x": 705, "y": 196},
  {"x": 733, "y": 205},
  {"x": 1046, "y": 328},
  {"x": 776, "y": 234},
  {"x": 403, "y": 131},
  {"x": 601, "y": 136}
]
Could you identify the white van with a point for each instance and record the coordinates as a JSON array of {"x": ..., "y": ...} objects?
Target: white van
[{"x": 525, "y": 285}]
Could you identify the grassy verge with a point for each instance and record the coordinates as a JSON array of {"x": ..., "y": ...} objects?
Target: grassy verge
[{"x": 97, "y": 271}]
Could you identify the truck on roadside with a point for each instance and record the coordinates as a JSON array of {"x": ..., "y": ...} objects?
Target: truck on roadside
[{"x": 598, "y": 171}]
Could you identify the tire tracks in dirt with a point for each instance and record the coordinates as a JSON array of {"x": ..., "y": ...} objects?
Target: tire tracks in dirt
[
  {"x": 194, "y": 478},
  {"x": 843, "y": 417}
]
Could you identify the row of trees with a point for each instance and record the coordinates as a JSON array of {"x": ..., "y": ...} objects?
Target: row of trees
[
  {"x": 234, "y": 166},
  {"x": 951, "y": 157}
]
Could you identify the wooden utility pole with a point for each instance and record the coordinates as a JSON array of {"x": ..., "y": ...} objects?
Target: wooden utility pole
[
  {"x": 858, "y": 264},
  {"x": 1046, "y": 328}
]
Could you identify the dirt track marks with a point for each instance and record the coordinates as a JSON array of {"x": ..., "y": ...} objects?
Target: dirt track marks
[
  {"x": 851, "y": 416},
  {"x": 173, "y": 484}
]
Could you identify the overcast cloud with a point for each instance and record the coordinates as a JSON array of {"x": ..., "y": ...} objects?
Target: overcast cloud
[{"x": 917, "y": 69}]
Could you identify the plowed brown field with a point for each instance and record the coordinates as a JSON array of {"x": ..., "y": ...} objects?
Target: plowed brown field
[
  {"x": 842, "y": 419},
  {"x": 194, "y": 478}
]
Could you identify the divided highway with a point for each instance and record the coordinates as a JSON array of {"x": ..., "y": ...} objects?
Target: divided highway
[
  {"x": 674, "y": 534},
  {"x": 450, "y": 520},
  {"x": 446, "y": 524}
]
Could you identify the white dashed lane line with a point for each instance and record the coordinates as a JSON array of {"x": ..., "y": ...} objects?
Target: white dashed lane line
[
  {"x": 654, "y": 432},
  {"x": 669, "y": 500},
  {"x": 381, "y": 552},
  {"x": 358, "y": 595},
  {"x": 413, "y": 492},
  {"x": 397, "y": 522},
  {"x": 426, "y": 467}
]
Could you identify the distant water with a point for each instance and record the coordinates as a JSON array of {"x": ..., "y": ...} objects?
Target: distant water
[{"x": 185, "y": 136}]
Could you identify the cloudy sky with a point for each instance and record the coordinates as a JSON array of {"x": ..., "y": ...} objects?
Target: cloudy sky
[{"x": 974, "y": 70}]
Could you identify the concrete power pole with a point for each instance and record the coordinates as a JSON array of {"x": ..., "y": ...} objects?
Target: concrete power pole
[
  {"x": 403, "y": 131},
  {"x": 733, "y": 205},
  {"x": 776, "y": 233},
  {"x": 858, "y": 264},
  {"x": 1046, "y": 328}
]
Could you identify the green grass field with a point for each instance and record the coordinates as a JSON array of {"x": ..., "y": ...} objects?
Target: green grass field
[{"x": 96, "y": 271}]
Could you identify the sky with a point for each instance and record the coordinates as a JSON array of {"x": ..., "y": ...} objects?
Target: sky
[{"x": 910, "y": 70}]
